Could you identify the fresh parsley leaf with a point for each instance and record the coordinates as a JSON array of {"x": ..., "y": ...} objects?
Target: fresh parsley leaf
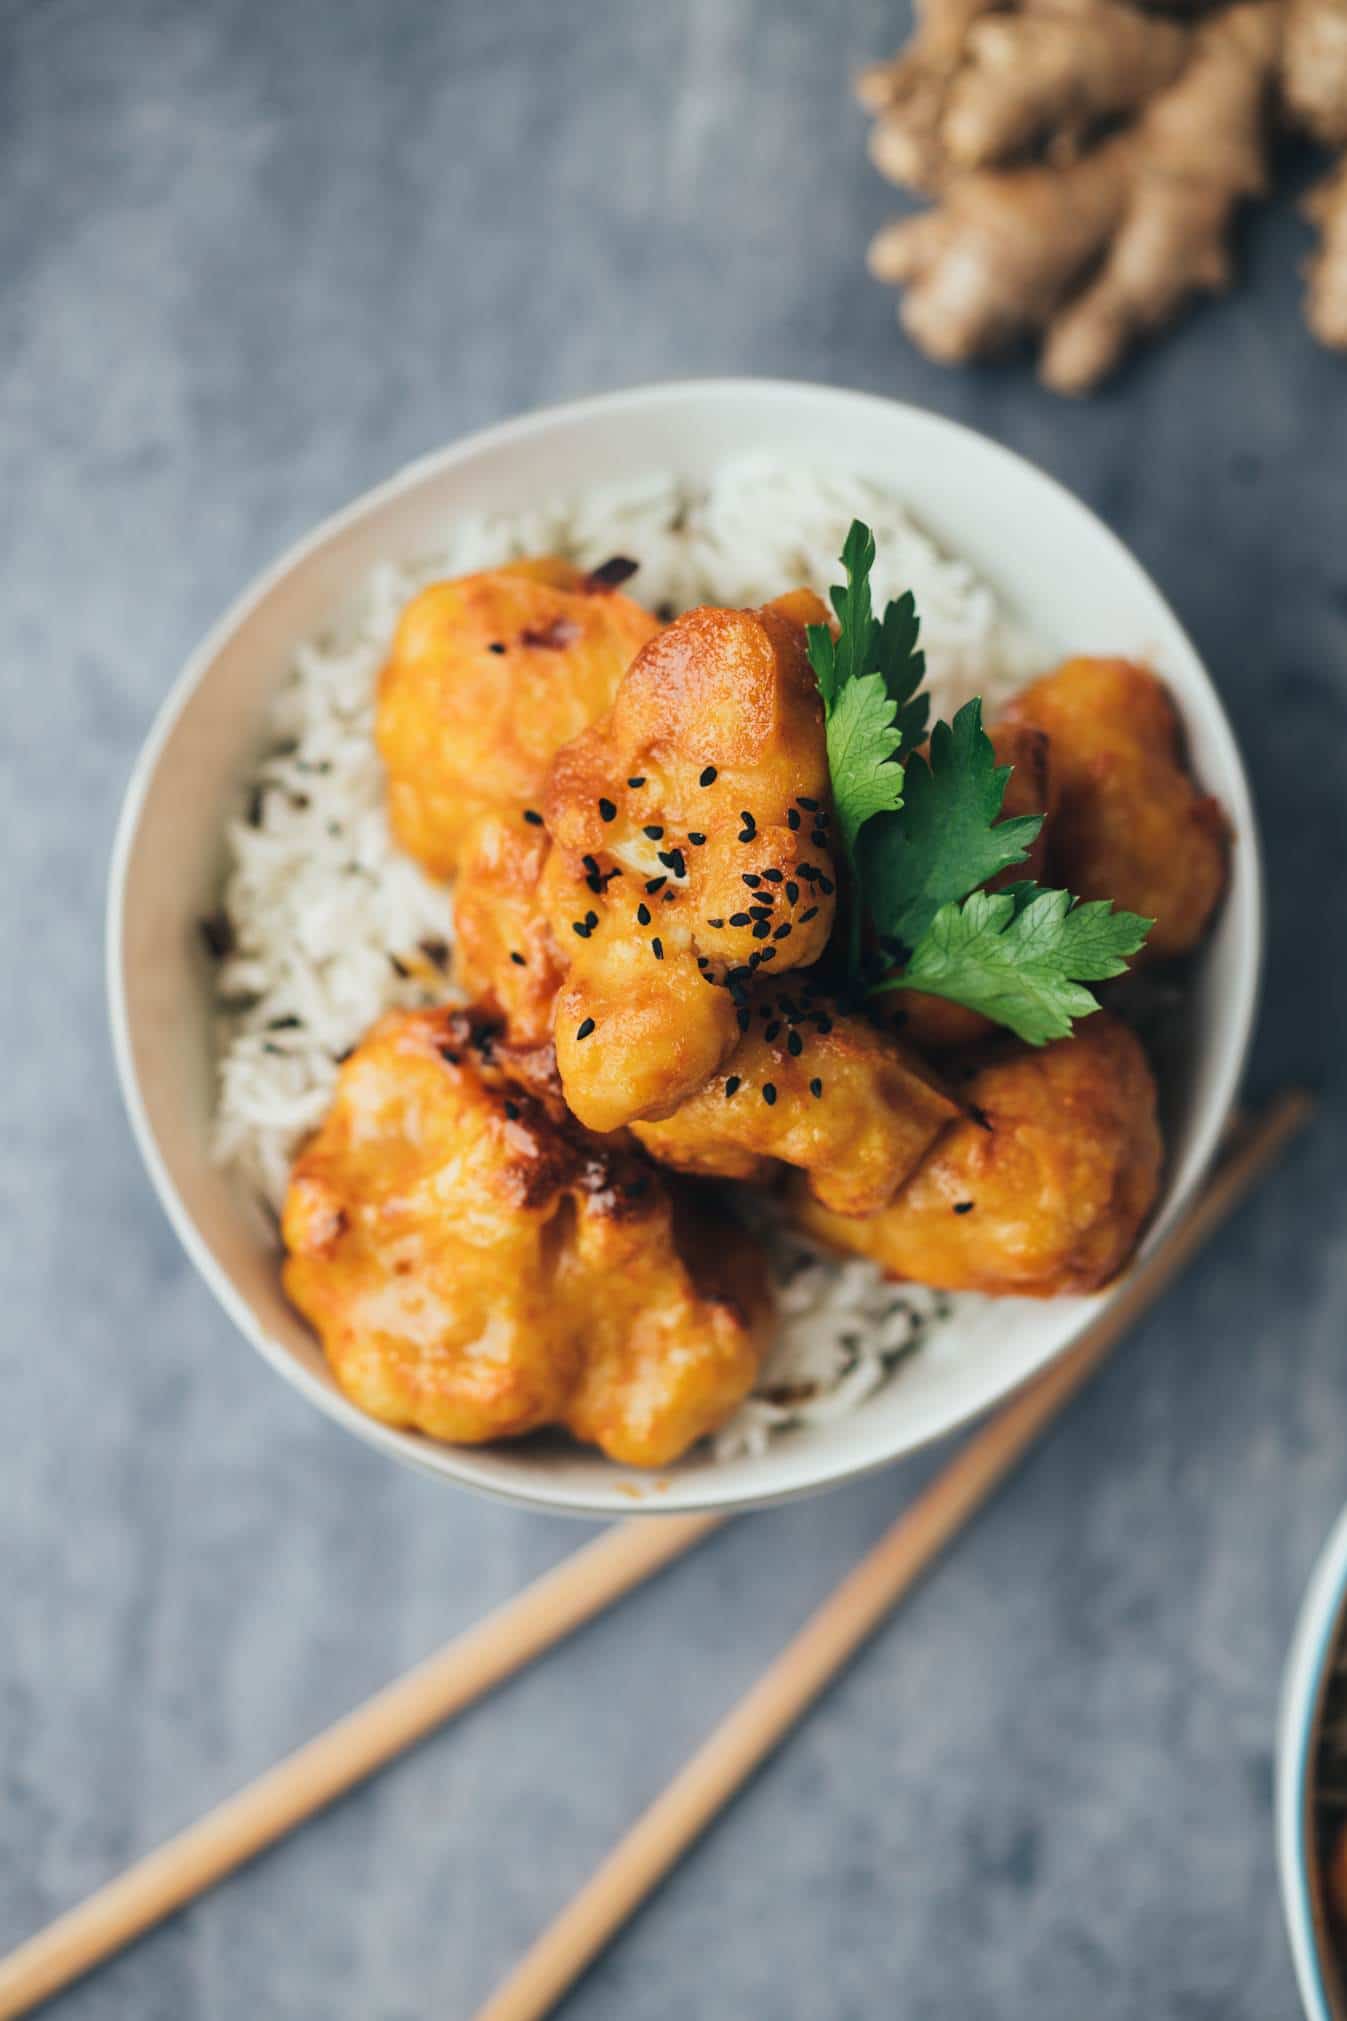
[
  {"x": 947, "y": 839},
  {"x": 862, "y": 741},
  {"x": 1021, "y": 957},
  {"x": 923, "y": 832},
  {"x": 904, "y": 668}
]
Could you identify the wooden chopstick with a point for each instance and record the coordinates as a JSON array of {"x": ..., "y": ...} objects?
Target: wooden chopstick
[
  {"x": 561, "y": 1601},
  {"x": 790, "y": 1685}
]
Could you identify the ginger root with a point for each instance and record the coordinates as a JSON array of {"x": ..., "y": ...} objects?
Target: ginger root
[
  {"x": 1087, "y": 160},
  {"x": 1314, "y": 84},
  {"x": 1326, "y": 301}
]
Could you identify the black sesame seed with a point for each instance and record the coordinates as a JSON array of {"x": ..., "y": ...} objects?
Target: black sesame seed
[
  {"x": 773, "y": 876},
  {"x": 517, "y": 959},
  {"x": 769, "y": 1093},
  {"x": 810, "y": 805},
  {"x": 673, "y": 859},
  {"x": 591, "y": 864},
  {"x": 398, "y": 967},
  {"x": 657, "y": 949},
  {"x": 445, "y": 1052},
  {"x": 748, "y": 819},
  {"x": 816, "y": 1087},
  {"x": 759, "y": 912},
  {"x": 772, "y": 1030},
  {"x": 792, "y": 893},
  {"x": 637, "y": 782},
  {"x": 607, "y": 811},
  {"x": 761, "y": 930},
  {"x": 533, "y": 817},
  {"x": 695, "y": 838},
  {"x": 582, "y": 1031},
  {"x": 826, "y": 886},
  {"x": 794, "y": 1044},
  {"x": 512, "y": 1111},
  {"x": 578, "y": 927},
  {"x": 768, "y": 954},
  {"x": 792, "y": 818},
  {"x": 595, "y": 883},
  {"x": 742, "y": 1020},
  {"x": 783, "y": 931},
  {"x": 708, "y": 777},
  {"x": 655, "y": 884},
  {"x": 643, "y": 914},
  {"x": 591, "y": 920},
  {"x": 732, "y": 1086},
  {"x": 619, "y": 568},
  {"x": 716, "y": 923},
  {"x": 963, "y": 1206},
  {"x": 810, "y": 912},
  {"x": 495, "y": 646},
  {"x": 654, "y": 831},
  {"x": 823, "y": 1025},
  {"x": 671, "y": 898},
  {"x": 739, "y": 919},
  {"x": 750, "y": 878},
  {"x": 819, "y": 839}
]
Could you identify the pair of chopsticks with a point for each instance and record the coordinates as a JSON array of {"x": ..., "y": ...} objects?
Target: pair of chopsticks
[{"x": 562, "y": 1601}]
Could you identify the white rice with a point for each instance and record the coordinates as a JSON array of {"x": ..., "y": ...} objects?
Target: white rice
[{"x": 330, "y": 923}]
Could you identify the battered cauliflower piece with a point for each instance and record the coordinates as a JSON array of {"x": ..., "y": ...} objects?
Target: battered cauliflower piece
[
  {"x": 506, "y": 957},
  {"x": 476, "y": 1266},
  {"x": 1131, "y": 825},
  {"x": 487, "y": 677},
  {"x": 692, "y": 847},
  {"x": 932, "y": 1022},
  {"x": 1043, "y": 1189},
  {"x": 810, "y": 1086}
]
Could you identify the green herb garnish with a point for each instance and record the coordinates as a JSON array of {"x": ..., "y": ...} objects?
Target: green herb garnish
[{"x": 923, "y": 834}]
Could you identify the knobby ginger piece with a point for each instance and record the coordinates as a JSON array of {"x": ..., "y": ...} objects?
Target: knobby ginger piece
[
  {"x": 1326, "y": 304},
  {"x": 997, "y": 258},
  {"x": 1200, "y": 152}
]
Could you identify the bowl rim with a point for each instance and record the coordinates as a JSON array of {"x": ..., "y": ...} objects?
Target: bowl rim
[
  {"x": 456, "y": 1463},
  {"x": 1317, "y": 1634}
]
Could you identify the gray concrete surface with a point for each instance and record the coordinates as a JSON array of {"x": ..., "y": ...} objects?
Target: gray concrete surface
[{"x": 251, "y": 258}]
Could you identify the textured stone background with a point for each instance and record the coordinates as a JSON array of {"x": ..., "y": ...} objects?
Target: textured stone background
[{"x": 252, "y": 257}]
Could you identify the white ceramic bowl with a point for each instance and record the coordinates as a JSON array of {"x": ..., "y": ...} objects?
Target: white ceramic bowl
[
  {"x": 1318, "y": 1634},
  {"x": 1052, "y": 560}
]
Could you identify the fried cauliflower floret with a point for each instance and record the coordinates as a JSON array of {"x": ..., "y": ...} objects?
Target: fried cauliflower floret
[
  {"x": 691, "y": 830},
  {"x": 1043, "y": 1189},
  {"x": 1132, "y": 824},
  {"x": 932, "y": 1022},
  {"x": 487, "y": 677},
  {"x": 476, "y": 1266},
  {"x": 507, "y": 959},
  {"x": 810, "y": 1086}
]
